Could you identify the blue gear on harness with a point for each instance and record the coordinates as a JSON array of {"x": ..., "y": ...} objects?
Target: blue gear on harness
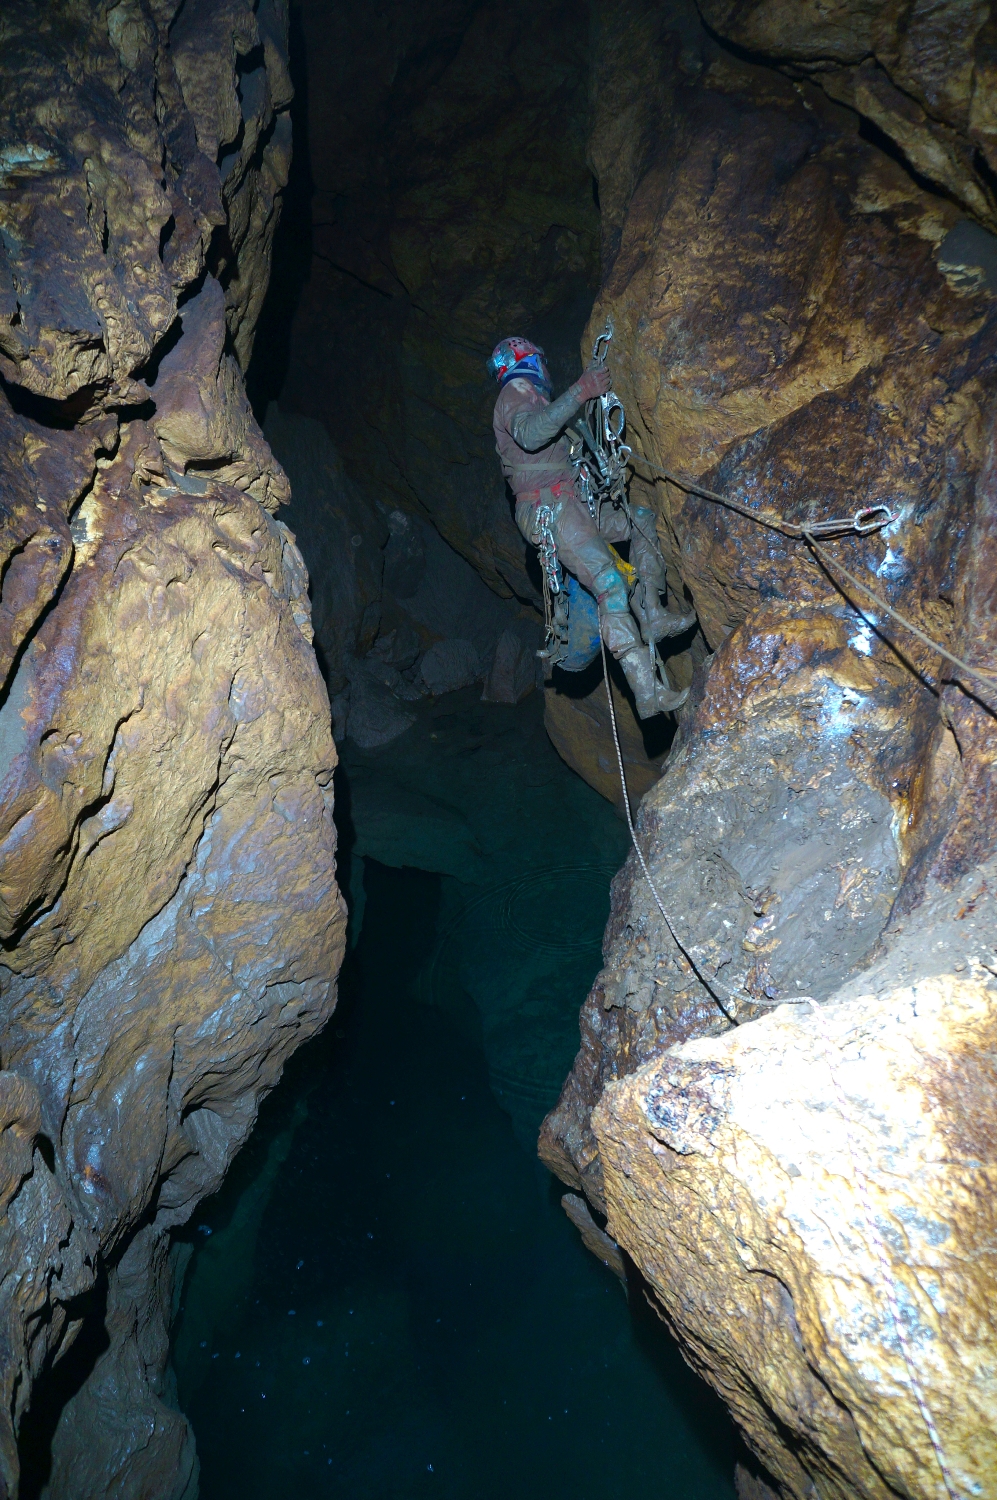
[{"x": 583, "y": 628}]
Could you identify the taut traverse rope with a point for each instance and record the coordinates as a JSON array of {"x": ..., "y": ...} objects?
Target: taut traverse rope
[{"x": 871, "y": 518}]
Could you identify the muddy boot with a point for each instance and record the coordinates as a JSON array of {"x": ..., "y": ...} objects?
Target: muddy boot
[
  {"x": 656, "y": 622},
  {"x": 621, "y": 635}
]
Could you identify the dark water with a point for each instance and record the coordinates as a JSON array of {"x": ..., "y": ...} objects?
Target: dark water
[{"x": 390, "y": 1301}]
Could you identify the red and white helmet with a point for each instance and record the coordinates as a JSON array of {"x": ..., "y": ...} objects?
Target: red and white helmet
[{"x": 516, "y": 356}]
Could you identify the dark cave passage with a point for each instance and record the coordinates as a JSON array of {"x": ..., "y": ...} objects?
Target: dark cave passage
[{"x": 386, "y": 1298}]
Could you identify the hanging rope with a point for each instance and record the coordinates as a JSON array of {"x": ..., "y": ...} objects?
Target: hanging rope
[
  {"x": 872, "y": 1227},
  {"x": 703, "y": 979}
]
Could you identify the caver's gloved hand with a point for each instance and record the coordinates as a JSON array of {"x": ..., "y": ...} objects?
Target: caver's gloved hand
[
  {"x": 595, "y": 382},
  {"x": 538, "y": 429}
]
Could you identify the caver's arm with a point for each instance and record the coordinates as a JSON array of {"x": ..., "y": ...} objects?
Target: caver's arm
[{"x": 534, "y": 430}]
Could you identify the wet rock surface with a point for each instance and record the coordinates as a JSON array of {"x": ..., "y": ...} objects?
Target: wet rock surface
[
  {"x": 796, "y": 212},
  {"x": 793, "y": 331},
  {"x": 168, "y": 906}
]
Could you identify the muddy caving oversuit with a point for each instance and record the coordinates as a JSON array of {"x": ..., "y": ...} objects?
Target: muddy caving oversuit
[{"x": 536, "y": 462}]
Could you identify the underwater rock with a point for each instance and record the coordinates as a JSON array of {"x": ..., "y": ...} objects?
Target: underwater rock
[
  {"x": 171, "y": 923},
  {"x": 789, "y": 332},
  {"x": 374, "y": 716},
  {"x": 449, "y": 665},
  {"x": 513, "y": 672}
]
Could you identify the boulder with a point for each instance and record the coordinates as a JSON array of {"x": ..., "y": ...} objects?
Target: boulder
[
  {"x": 820, "y": 1190},
  {"x": 449, "y": 665},
  {"x": 513, "y": 672}
]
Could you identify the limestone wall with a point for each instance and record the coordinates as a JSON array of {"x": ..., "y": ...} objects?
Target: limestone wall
[
  {"x": 170, "y": 919},
  {"x": 806, "y": 320}
]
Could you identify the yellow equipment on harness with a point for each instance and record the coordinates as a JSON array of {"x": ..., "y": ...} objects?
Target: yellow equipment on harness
[{"x": 627, "y": 569}]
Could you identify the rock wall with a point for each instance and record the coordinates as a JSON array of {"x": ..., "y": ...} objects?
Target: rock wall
[
  {"x": 170, "y": 919},
  {"x": 806, "y": 320}
]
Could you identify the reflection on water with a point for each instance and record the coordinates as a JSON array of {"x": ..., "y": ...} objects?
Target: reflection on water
[{"x": 386, "y": 1299}]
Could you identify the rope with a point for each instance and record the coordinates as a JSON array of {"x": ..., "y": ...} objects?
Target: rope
[
  {"x": 988, "y": 678},
  {"x": 859, "y": 1176},
  {"x": 640, "y": 853},
  {"x": 870, "y": 519}
]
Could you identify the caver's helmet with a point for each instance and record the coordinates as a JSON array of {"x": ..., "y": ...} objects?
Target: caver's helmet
[{"x": 517, "y": 357}]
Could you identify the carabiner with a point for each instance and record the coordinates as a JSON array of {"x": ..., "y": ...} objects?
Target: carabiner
[
  {"x": 604, "y": 338},
  {"x": 873, "y": 518}
]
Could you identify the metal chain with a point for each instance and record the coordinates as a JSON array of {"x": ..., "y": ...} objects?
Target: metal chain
[{"x": 547, "y": 547}]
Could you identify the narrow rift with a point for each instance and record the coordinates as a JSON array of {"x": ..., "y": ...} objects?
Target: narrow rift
[
  {"x": 417, "y": 418},
  {"x": 386, "y": 1297}
]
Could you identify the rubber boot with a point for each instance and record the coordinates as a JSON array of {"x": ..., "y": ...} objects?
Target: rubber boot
[
  {"x": 621, "y": 635},
  {"x": 656, "y": 622}
]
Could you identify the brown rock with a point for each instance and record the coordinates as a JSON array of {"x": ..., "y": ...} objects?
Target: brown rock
[
  {"x": 190, "y": 848},
  {"x": 770, "y": 1182},
  {"x": 582, "y": 734},
  {"x": 788, "y": 333},
  {"x": 202, "y": 420},
  {"x": 170, "y": 918},
  {"x": 594, "y": 1239},
  {"x": 929, "y": 88}
]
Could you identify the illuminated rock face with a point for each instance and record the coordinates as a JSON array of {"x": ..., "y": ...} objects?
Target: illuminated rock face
[
  {"x": 734, "y": 1178},
  {"x": 792, "y": 328},
  {"x": 171, "y": 924}
]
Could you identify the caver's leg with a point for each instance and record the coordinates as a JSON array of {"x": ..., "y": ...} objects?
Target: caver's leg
[
  {"x": 585, "y": 554},
  {"x": 656, "y": 622}
]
